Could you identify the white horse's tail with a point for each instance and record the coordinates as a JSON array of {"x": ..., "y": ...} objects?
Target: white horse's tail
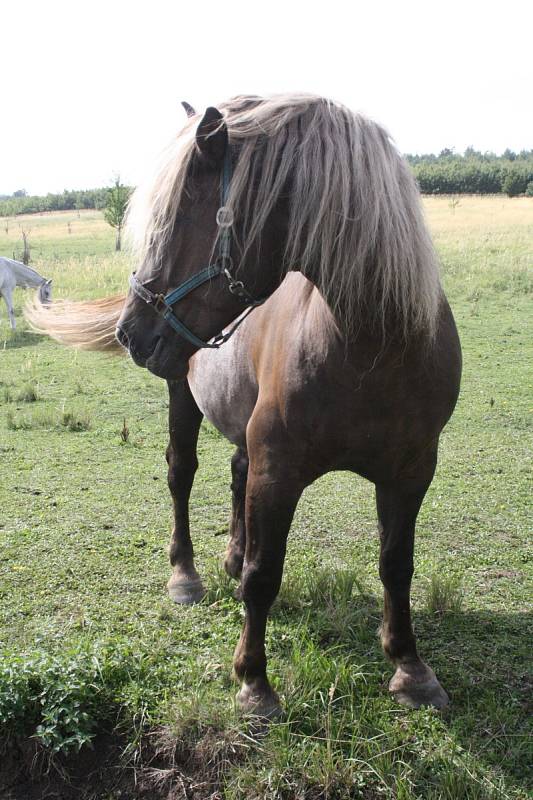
[{"x": 87, "y": 324}]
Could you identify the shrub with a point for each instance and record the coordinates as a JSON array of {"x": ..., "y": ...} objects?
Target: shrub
[{"x": 514, "y": 183}]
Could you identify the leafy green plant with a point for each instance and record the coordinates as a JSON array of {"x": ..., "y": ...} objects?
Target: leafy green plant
[{"x": 64, "y": 700}]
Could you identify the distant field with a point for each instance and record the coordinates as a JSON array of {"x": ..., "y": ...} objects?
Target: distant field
[{"x": 89, "y": 639}]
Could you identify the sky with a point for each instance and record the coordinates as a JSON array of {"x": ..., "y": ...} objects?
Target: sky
[{"x": 93, "y": 89}]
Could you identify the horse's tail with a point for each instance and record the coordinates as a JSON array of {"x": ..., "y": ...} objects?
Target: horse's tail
[{"x": 87, "y": 324}]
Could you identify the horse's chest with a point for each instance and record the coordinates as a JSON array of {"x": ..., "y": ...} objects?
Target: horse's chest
[{"x": 224, "y": 388}]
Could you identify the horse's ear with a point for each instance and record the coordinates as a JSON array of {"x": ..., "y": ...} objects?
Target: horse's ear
[
  {"x": 189, "y": 110},
  {"x": 49, "y": 282},
  {"x": 212, "y": 136}
]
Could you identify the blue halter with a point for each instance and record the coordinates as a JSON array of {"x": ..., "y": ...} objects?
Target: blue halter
[{"x": 162, "y": 304}]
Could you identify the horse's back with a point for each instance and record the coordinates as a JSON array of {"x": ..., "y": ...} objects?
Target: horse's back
[{"x": 16, "y": 273}]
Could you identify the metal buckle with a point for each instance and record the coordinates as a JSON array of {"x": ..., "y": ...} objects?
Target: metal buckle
[
  {"x": 140, "y": 290},
  {"x": 159, "y": 303},
  {"x": 232, "y": 283}
]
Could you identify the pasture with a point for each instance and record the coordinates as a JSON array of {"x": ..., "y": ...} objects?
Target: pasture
[{"x": 92, "y": 651}]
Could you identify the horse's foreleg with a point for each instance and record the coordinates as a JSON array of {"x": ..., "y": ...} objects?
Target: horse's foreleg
[
  {"x": 185, "y": 585},
  {"x": 6, "y": 294},
  {"x": 237, "y": 542},
  {"x": 272, "y": 494},
  {"x": 414, "y": 683}
]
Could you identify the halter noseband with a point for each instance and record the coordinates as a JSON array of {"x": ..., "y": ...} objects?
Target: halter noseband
[{"x": 223, "y": 265}]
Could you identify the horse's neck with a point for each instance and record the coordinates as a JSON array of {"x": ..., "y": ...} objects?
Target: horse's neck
[{"x": 24, "y": 274}]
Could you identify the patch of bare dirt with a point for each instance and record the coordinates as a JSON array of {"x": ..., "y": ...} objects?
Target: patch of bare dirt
[{"x": 162, "y": 768}]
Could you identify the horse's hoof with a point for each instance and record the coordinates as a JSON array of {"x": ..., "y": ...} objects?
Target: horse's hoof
[
  {"x": 415, "y": 690},
  {"x": 186, "y": 592},
  {"x": 265, "y": 705}
]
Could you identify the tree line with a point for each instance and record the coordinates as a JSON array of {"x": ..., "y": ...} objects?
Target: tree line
[
  {"x": 22, "y": 203},
  {"x": 474, "y": 172},
  {"x": 448, "y": 172}
]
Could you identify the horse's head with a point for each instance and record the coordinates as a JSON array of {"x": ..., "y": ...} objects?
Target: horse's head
[
  {"x": 194, "y": 280},
  {"x": 45, "y": 291}
]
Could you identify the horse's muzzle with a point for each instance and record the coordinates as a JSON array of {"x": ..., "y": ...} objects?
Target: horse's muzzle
[{"x": 139, "y": 356}]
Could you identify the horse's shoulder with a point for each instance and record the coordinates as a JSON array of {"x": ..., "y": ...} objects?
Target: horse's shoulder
[{"x": 7, "y": 276}]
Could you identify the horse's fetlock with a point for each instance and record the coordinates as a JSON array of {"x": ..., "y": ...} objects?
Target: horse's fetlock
[
  {"x": 396, "y": 647},
  {"x": 249, "y": 666}
]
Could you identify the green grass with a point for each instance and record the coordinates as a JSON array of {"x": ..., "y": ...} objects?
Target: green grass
[
  {"x": 89, "y": 640},
  {"x": 445, "y": 593}
]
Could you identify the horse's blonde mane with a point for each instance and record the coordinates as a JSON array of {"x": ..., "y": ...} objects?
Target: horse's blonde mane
[{"x": 355, "y": 223}]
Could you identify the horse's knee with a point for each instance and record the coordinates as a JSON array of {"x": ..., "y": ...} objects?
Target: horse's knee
[
  {"x": 182, "y": 467},
  {"x": 260, "y": 582},
  {"x": 395, "y": 570}
]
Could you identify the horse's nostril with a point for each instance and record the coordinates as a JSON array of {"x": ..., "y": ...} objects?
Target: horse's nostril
[{"x": 122, "y": 337}]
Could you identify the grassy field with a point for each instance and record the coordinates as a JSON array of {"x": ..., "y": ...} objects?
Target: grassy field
[{"x": 90, "y": 644}]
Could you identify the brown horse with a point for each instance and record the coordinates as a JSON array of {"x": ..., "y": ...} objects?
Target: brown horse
[{"x": 351, "y": 363}]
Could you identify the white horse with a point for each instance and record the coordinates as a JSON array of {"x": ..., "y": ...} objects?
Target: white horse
[{"x": 15, "y": 273}]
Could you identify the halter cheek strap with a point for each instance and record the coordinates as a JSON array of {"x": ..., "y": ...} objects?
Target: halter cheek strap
[{"x": 162, "y": 304}]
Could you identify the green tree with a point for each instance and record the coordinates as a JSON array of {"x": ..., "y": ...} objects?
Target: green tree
[
  {"x": 115, "y": 210},
  {"x": 514, "y": 183}
]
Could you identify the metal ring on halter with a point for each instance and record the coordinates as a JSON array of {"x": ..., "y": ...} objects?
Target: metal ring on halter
[
  {"x": 224, "y": 217},
  {"x": 237, "y": 287}
]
